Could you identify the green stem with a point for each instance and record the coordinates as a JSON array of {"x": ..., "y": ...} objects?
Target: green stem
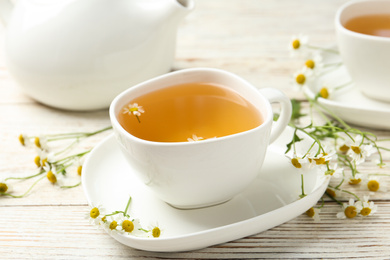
[
  {"x": 70, "y": 157},
  {"x": 333, "y": 198},
  {"x": 69, "y": 187},
  {"x": 127, "y": 206},
  {"x": 302, "y": 187},
  {"x": 21, "y": 196},
  {"x": 56, "y": 137},
  {"x": 24, "y": 178}
]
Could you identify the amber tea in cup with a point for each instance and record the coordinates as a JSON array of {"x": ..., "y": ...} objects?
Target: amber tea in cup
[
  {"x": 191, "y": 105},
  {"x": 189, "y": 112},
  {"x": 373, "y": 24}
]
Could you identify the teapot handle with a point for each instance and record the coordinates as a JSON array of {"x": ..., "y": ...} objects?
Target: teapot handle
[{"x": 5, "y": 11}]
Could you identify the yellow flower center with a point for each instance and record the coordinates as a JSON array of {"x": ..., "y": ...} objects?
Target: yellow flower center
[
  {"x": 37, "y": 161},
  {"x": 44, "y": 161},
  {"x": 21, "y": 140},
  {"x": 300, "y": 79},
  {"x": 356, "y": 149},
  {"x": 3, "y": 187},
  {"x": 156, "y": 232},
  {"x": 296, "y": 163},
  {"x": 133, "y": 109},
  {"x": 344, "y": 148},
  {"x": 79, "y": 170},
  {"x": 331, "y": 192},
  {"x": 320, "y": 161},
  {"x": 324, "y": 93},
  {"x": 104, "y": 219},
  {"x": 350, "y": 212},
  {"x": 51, "y": 177},
  {"x": 113, "y": 225},
  {"x": 94, "y": 213},
  {"x": 373, "y": 185},
  {"x": 128, "y": 226},
  {"x": 296, "y": 44},
  {"x": 310, "y": 64},
  {"x": 310, "y": 212},
  {"x": 354, "y": 181},
  {"x": 365, "y": 211},
  {"x": 37, "y": 142}
]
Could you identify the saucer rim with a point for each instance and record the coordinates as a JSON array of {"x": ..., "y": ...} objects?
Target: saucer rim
[
  {"x": 308, "y": 89},
  {"x": 209, "y": 237}
]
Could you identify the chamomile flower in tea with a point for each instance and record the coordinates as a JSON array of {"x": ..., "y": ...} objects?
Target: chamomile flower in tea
[{"x": 195, "y": 110}]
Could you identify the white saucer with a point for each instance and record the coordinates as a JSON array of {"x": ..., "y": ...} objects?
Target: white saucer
[
  {"x": 272, "y": 199},
  {"x": 349, "y": 103}
]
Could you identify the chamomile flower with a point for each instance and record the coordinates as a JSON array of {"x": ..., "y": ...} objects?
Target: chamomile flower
[
  {"x": 195, "y": 138},
  {"x": 111, "y": 224},
  {"x": 343, "y": 148},
  {"x": 298, "y": 44},
  {"x": 350, "y": 210},
  {"x": 315, "y": 63},
  {"x": 368, "y": 208},
  {"x": 41, "y": 142},
  {"x": 134, "y": 109},
  {"x": 299, "y": 162},
  {"x": 333, "y": 192},
  {"x": 5, "y": 187},
  {"x": 326, "y": 90},
  {"x": 53, "y": 176},
  {"x": 43, "y": 158},
  {"x": 373, "y": 184},
  {"x": 79, "y": 166},
  {"x": 130, "y": 226},
  {"x": 154, "y": 230},
  {"x": 355, "y": 180},
  {"x": 301, "y": 78},
  {"x": 334, "y": 171},
  {"x": 95, "y": 214},
  {"x": 24, "y": 140},
  {"x": 321, "y": 158},
  {"x": 314, "y": 213},
  {"x": 358, "y": 152}
]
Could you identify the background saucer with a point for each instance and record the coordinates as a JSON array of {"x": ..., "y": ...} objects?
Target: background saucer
[{"x": 349, "y": 103}]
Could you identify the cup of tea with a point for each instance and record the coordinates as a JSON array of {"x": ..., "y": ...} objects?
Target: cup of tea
[
  {"x": 363, "y": 37},
  {"x": 197, "y": 137}
]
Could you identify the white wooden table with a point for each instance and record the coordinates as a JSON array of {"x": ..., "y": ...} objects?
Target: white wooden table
[{"x": 247, "y": 37}]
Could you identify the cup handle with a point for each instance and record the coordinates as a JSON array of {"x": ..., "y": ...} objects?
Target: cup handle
[{"x": 276, "y": 96}]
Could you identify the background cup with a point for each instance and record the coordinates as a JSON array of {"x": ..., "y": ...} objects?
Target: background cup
[
  {"x": 366, "y": 57},
  {"x": 199, "y": 174}
]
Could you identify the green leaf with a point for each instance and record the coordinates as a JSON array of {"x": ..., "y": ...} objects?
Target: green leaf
[
  {"x": 296, "y": 109},
  {"x": 295, "y": 139}
]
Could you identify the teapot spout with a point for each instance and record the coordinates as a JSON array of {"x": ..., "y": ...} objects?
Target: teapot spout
[
  {"x": 180, "y": 8},
  {"x": 5, "y": 11},
  {"x": 187, "y": 4}
]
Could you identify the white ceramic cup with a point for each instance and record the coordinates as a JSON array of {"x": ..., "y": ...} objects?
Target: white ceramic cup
[
  {"x": 366, "y": 57},
  {"x": 209, "y": 172}
]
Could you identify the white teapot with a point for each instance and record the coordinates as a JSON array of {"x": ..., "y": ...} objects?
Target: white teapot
[{"x": 79, "y": 54}]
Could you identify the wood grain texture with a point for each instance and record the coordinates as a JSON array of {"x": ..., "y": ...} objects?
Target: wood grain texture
[{"x": 246, "y": 37}]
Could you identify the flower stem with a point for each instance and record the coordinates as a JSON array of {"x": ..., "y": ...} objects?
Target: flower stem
[
  {"x": 21, "y": 196},
  {"x": 127, "y": 206},
  {"x": 302, "y": 187},
  {"x": 25, "y": 178},
  {"x": 69, "y": 187}
]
